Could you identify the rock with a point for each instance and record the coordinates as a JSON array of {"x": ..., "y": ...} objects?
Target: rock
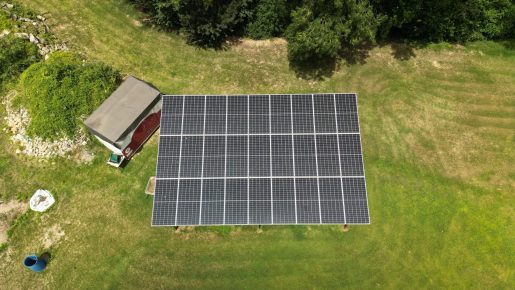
[
  {"x": 22, "y": 35},
  {"x": 25, "y": 19},
  {"x": 7, "y": 6},
  {"x": 33, "y": 39},
  {"x": 61, "y": 46},
  {"x": 18, "y": 119},
  {"x": 5, "y": 32},
  {"x": 40, "y": 17}
]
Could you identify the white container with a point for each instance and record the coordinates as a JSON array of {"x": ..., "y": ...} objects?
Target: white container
[{"x": 41, "y": 200}]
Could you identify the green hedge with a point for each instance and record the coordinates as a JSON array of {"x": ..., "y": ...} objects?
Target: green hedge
[{"x": 61, "y": 91}]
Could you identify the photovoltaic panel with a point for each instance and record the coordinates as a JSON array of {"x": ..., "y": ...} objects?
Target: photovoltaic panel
[{"x": 260, "y": 159}]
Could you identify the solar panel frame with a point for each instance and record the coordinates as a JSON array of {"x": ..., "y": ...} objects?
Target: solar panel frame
[{"x": 251, "y": 211}]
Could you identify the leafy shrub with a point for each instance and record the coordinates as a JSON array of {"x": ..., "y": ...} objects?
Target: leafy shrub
[
  {"x": 269, "y": 20},
  {"x": 320, "y": 30},
  {"x": 166, "y": 14},
  {"x": 311, "y": 40},
  {"x": 61, "y": 90},
  {"x": 5, "y": 21},
  {"x": 15, "y": 56},
  {"x": 449, "y": 20},
  {"x": 163, "y": 13},
  {"x": 208, "y": 23}
]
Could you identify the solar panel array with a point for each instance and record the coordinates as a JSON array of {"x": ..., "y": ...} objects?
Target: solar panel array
[{"x": 260, "y": 159}]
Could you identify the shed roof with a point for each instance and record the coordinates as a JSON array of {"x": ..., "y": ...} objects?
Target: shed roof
[{"x": 124, "y": 107}]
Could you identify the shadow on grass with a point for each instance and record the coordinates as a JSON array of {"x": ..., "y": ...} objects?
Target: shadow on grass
[
  {"x": 320, "y": 68},
  {"x": 46, "y": 256},
  {"x": 508, "y": 44},
  {"x": 314, "y": 69},
  {"x": 403, "y": 51},
  {"x": 357, "y": 54}
]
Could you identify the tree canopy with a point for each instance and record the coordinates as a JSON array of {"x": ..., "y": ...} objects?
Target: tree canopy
[{"x": 325, "y": 29}]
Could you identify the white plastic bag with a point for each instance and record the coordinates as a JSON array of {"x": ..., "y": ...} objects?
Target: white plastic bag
[{"x": 41, "y": 200}]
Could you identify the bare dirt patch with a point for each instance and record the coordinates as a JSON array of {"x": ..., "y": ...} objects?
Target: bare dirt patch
[
  {"x": 8, "y": 212},
  {"x": 52, "y": 236},
  {"x": 251, "y": 45},
  {"x": 436, "y": 64},
  {"x": 137, "y": 23}
]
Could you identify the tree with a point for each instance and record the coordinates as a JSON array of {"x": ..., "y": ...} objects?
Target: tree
[
  {"x": 320, "y": 31},
  {"x": 163, "y": 13},
  {"x": 447, "y": 20},
  {"x": 208, "y": 23},
  {"x": 311, "y": 39},
  {"x": 269, "y": 19}
]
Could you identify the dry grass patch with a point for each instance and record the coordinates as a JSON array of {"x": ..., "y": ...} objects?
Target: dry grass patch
[
  {"x": 52, "y": 236},
  {"x": 8, "y": 212}
]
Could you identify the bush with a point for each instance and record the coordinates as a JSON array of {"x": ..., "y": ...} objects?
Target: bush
[
  {"x": 163, "y": 13},
  {"x": 321, "y": 30},
  {"x": 166, "y": 14},
  {"x": 448, "y": 20},
  {"x": 311, "y": 40},
  {"x": 208, "y": 23},
  {"x": 62, "y": 90},
  {"x": 269, "y": 20},
  {"x": 15, "y": 56},
  {"x": 5, "y": 21}
]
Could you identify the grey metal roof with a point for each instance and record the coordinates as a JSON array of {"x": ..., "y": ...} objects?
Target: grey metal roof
[{"x": 124, "y": 107}]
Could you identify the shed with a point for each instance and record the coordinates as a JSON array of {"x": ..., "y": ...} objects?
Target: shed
[{"x": 125, "y": 120}]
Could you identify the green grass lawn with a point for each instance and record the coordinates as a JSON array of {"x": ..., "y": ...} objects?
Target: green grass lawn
[{"x": 438, "y": 136}]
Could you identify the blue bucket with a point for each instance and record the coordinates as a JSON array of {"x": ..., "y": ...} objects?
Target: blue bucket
[{"x": 32, "y": 262}]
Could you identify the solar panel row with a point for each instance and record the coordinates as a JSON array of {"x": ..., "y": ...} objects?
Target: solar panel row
[
  {"x": 259, "y": 115},
  {"x": 260, "y": 201},
  {"x": 205, "y": 156},
  {"x": 260, "y": 159}
]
